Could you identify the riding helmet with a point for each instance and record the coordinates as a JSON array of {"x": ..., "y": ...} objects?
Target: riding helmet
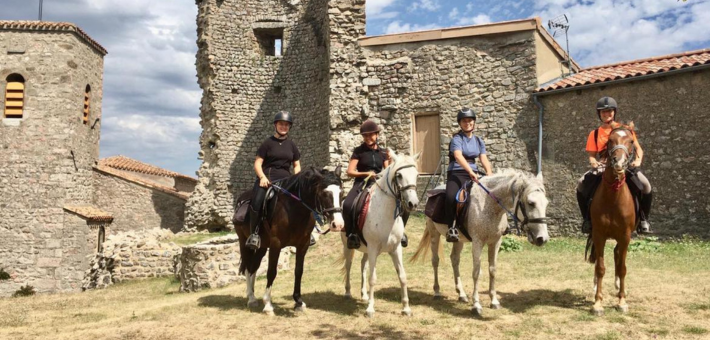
[
  {"x": 465, "y": 113},
  {"x": 369, "y": 127},
  {"x": 283, "y": 116},
  {"x": 607, "y": 103}
]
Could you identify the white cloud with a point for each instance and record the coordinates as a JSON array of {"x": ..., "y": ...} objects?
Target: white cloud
[
  {"x": 476, "y": 20},
  {"x": 607, "y": 31},
  {"x": 397, "y": 27},
  {"x": 428, "y": 5},
  {"x": 376, "y": 7},
  {"x": 454, "y": 13}
]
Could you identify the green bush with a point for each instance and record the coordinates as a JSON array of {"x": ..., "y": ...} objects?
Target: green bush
[
  {"x": 4, "y": 275},
  {"x": 648, "y": 244},
  {"x": 24, "y": 291},
  {"x": 510, "y": 244}
]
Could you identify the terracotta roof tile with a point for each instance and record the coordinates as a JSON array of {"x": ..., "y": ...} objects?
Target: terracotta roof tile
[
  {"x": 142, "y": 182},
  {"x": 129, "y": 164},
  {"x": 90, "y": 213},
  {"x": 51, "y": 26},
  {"x": 630, "y": 69}
]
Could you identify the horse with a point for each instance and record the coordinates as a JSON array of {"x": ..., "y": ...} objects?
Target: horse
[
  {"x": 486, "y": 223},
  {"x": 383, "y": 227},
  {"x": 613, "y": 215},
  {"x": 304, "y": 195}
]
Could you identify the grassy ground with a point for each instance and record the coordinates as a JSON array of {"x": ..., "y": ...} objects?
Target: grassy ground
[
  {"x": 185, "y": 239},
  {"x": 546, "y": 293}
]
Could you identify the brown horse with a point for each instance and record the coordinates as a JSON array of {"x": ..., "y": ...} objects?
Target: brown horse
[
  {"x": 292, "y": 219},
  {"x": 613, "y": 215}
]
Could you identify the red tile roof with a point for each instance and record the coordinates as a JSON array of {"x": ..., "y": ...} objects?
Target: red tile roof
[
  {"x": 630, "y": 69},
  {"x": 90, "y": 213},
  {"x": 51, "y": 26},
  {"x": 141, "y": 181},
  {"x": 129, "y": 164}
]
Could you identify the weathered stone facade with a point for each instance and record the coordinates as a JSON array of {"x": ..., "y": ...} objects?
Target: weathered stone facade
[
  {"x": 670, "y": 114},
  {"x": 492, "y": 69},
  {"x": 47, "y": 155}
]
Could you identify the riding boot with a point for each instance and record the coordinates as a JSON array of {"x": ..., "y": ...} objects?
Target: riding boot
[
  {"x": 353, "y": 241},
  {"x": 254, "y": 241},
  {"x": 645, "y": 206},
  {"x": 584, "y": 208}
]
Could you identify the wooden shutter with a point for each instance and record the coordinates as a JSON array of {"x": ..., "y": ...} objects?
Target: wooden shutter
[
  {"x": 427, "y": 139},
  {"x": 14, "y": 99},
  {"x": 86, "y": 106}
]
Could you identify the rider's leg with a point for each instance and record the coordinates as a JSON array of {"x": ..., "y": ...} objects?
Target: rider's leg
[
  {"x": 350, "y": 217},
  {"x": 255, "y": 209},
  {"x": 583, "y": 184},
  {"x": 454, "y": 182},
  {"x": 645, "y": 202}
]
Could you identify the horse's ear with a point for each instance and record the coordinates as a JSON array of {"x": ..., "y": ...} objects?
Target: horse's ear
[
  {"x": 416, "y": 157},
  {"x": 539, "y": 176},
  {"x": 338, "y": 170},
  {"x": 393, "y": 156}
]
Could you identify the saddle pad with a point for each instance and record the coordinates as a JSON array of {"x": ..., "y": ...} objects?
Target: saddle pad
[
  {"x": 241, "y": 211},
  {"x": 434, "y": 209},
  {"x": 363, "y": 211}
]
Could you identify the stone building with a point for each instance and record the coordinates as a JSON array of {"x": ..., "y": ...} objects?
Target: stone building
[
  {"x": 313, "y": 58},
  {"x": 667, "y": 99},
  {"x": 57, "y": 202}
]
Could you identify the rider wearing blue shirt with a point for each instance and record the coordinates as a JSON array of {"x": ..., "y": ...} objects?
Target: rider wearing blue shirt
[{"x": 464, "y": 148}]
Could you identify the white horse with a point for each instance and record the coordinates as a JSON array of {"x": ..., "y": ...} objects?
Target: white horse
[
  {"x": 486, "y": 222},
  {"x": 383, "y": 230}
]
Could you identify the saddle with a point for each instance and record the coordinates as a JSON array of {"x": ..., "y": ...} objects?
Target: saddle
[
  {"x": 361, "y": 206},
  {"x": 241, "y": 211},
  {"x": 592, "y": 181},
  {"x": 436, "y": 203}
]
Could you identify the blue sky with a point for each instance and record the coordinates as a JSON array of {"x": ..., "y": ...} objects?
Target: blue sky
[{"x": 151, "y": 45}]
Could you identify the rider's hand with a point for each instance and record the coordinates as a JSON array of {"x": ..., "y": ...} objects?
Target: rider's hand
[
  {"x": 594, "y": 164},
  {"x": 473, "y": 176},
  {"x": 372, "y": 174},
  {"x": 636, "y": 163},
  {"x": 264, "y": 182}
]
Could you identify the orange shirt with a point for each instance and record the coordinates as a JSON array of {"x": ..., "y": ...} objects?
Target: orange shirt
[{"x": 602, "y": 139}]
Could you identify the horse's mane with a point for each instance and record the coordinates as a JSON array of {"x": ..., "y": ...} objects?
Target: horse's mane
[
  {"x": 309, "y": 176},
  {"x": 519, "y": 179},
  {"x": 620, "y": 125}
]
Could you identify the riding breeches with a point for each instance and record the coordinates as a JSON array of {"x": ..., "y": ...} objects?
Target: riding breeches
[
  {"x": 454, "y": 181},
  {"x": 588, "y": 181}
]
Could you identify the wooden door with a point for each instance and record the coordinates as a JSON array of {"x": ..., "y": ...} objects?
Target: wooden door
[{"x": 427, "y": 139}]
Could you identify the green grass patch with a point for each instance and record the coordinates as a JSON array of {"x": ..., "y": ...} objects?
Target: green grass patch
[
  {"x": 647, "y": 244},
  {"x": 659, "y": 331},
  {"x": 609, "y": 335},
  {"x": 510, "y": 244},
  {"x": 695, "y": 330},
  {"x": 188, "y": 239}
]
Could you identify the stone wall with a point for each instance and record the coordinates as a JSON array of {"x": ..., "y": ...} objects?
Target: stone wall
[
  {"x": 243, "y": 89},
  {"x": 132, "y": 255},
  {"x": 136, "y": 207},
  {"x": 215, "y": 264},
  {"x": 46, "y": 157},
  {"x": 670, "y": 114}
]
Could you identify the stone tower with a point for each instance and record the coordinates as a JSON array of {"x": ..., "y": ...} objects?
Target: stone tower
[
  {"x": 51, "y": 77},
  {"x": 256, "y": 57}
]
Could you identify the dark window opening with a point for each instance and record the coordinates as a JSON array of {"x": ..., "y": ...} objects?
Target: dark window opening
[
  {"x": 86, "y": 111},
  {"x": 270, "y": 41},
  {"x": 101, "y": 238}
]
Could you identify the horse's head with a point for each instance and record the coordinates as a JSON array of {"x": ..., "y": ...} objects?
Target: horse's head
[
  {"x": 620, "y": 148},
  {"x": 402, "y": 175},
  {"x": 533, "y": 204},
  {"x": 329, "y": 191}
]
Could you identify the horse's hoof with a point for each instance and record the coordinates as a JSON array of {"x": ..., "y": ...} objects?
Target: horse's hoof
[
  {"x": 253, "y": 304},
  {"x": 598, "y": 312},
  {"x": 269, "y": 312},
  {"x": 438, "y": 296},
  {"x": 300, "y": 309},
  {"x": 365, "y": 298},
  {"x": 463, "y": 298},
  {"x": 495, "y": 305},
  {"x": 477, "y": 311},
  {"x": 407, "y": 312},
  {"x": 623, "y": 308},
  {"x": 348, "y": 295},
  {"x": 370, "y": 313}
]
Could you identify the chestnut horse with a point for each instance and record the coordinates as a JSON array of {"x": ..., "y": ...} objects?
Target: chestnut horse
[
  {"x": 292, "y": 219},
  {"x": 613, "y": 215}
]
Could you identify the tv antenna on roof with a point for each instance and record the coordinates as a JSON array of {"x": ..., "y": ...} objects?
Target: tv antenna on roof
[
  {"x": 557, "y": 25},
  {"x": 40, "y": 9}
]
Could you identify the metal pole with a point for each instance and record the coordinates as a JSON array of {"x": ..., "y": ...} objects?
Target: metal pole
[{"x": 40, "y": 9}]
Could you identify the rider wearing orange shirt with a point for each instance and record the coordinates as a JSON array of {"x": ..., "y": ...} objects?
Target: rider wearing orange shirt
[{"x": 596, "y": 149}]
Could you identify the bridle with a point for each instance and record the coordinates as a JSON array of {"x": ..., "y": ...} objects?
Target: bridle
[{"x": 397, "y": 191}]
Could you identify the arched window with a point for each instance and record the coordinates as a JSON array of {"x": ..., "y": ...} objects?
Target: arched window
[
  {"x": 14, "y": 96},
  {"x": 87, "y": 91}
]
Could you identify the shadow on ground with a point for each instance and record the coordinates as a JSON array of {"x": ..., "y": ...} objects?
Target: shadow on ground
[
  {"x": 524, "y": 300},
  {"x": 375, "y": 331}
]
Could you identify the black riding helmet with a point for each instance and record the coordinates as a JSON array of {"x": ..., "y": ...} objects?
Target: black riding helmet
[
  {"x": 283, "y": 116},
  {"x": 369, "y": 127},
  {"x": 607, "y": 103},
  {"x": 465, "y": 113}
]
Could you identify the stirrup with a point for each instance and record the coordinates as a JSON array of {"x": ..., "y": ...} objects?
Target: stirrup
[
  {"x": 644, "y": 227},
  {"x": 253, "y": 242},
  {"x": 353, "y": 241},
  {"x": 405, "y": 241},
  {"x": 452, "y": 235},
  {"x": 587, "y": 227}
]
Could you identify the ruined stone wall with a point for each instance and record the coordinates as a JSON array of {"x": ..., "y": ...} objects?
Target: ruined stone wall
[
  {"x": 491, "y": 74},
  {"x": 670, "y": 114},
  {"x": 243, "y": 89},
  {"x": 46, "y": 157},
  {"x": 136, "y": 207}
]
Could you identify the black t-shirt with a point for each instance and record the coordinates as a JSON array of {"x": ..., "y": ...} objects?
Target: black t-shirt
[
  {"x": 278, "y": 156},
  {"x": 369, "y": 160}
]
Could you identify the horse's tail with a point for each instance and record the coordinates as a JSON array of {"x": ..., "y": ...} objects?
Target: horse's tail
[
  {"x": 341, "y": 261},
  {"x": 425, "y": 243},
  {"x": 589, "y": 251}
]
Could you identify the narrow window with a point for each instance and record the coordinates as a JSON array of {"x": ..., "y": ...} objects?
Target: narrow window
[
  {"x": 427, "y": 140},
  {"x": 270, "y": 40},
  {"x": 87, "y": 91},
  {"x": 14, "y": 96},
  {"x": 102, "y": 238}
]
